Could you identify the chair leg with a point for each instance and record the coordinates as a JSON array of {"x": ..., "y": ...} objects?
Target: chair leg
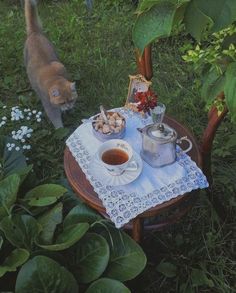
[
  {"x": 214, "y": 121},
  {"x": 144, "y": 62},
  {"x": 137, "y": 231}
]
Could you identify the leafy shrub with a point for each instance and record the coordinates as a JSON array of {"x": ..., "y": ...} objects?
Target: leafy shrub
[{"x": 52, "y": 249}]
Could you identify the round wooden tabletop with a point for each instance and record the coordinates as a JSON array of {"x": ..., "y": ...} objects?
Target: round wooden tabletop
[{"x": 84, "y": 190}]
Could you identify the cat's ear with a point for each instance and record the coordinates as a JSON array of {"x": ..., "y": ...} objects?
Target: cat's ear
[{"x": 73, "y": 86}]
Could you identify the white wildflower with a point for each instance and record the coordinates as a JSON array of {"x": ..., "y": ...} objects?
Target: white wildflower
[
  {"x": 17, "y": 149},
  {"x": 4, "y": 118}
]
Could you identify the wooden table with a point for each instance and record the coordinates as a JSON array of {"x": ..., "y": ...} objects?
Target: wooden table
[{"x": 182, "y": 203}]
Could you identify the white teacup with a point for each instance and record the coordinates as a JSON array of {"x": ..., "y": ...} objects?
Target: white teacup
[{"x": 116, "y": 156}]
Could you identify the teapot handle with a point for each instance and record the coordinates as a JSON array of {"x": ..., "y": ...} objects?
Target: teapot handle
[{"x": 179, "y": 141}]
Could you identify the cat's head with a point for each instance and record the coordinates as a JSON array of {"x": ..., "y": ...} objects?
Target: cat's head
[{"x": 63, "y": 94}]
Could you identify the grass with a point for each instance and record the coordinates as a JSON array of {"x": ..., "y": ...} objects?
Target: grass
[{"x": 196, "y": 255}]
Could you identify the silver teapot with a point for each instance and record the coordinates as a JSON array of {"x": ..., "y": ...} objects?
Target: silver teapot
[{"x": 159, "y": 144}]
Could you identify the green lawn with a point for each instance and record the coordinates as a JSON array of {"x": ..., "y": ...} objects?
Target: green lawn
[{"x": 196, "y": 255}]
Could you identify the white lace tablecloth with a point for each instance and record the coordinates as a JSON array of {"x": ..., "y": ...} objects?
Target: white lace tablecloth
[{"x": 154, "y": 186}]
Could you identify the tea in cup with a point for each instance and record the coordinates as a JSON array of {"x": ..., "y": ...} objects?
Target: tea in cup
[{"x": 116, "y": 156}]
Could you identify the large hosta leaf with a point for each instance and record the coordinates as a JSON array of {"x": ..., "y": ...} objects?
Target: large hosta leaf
[
  {"x": 91, "y": 257},
  {"x": 49, "y": 222},
  {"x": 44, "y": 195},
  {"x": 12, "y": 161},
  {"x": 105, "y": 285},
  {"x": 81, "y": 214},
  {"x": 230, "y": 89},
  {"x": 145, "y": 5},
  {"x": 20, "y": 230},
  {"x": 127, "y": 258},
  {"x": 17, "y": 258},
  {"x": 155, "y": 23},
  {"x": 42, "y": 274},
  {"x": 69, "y": 236},
  {"x": 8, "y": 193}
]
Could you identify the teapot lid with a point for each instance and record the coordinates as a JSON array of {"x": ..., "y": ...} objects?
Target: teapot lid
[{"x": 161, "y": 132}]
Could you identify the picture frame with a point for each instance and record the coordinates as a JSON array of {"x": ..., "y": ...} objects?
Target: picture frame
[{"x": 137, "y": 83}]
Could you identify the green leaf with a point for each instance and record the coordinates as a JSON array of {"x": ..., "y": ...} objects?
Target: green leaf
[
  {"x": 81, "y": 213},
  {"x": 44, "y": 195},
  {"x": 49, "y": 222},
  {"x": 24, "y": 172},
  {"x": 145, "y": 5},
  {"x": 167, "y": 269},
  {"x": 61, "y": 133},
  {"x": 17, "y": 258},
  {"x": 199, "y": 278},
  {"x": 20, "y": 230},
  {"x": 212, "y": 14},
  {"x": 68, "y": 237},
  {"x": 91, "y": 257},
  {"x": 230, "y": 89},
  {"x": 12, "y": 161},
  {"x": 9, "y": 188},
  {"x": 1, "y": 242},
  {"x": 222, "y": 12},
  {"x": 195, "y": 20},
  {"x": 105, "y": 285},
  {"x": 155, "y": 23},
  {"x": 42, "y": 274},
  {"x": 127, "y": 258},
  {"x": 213, "y": 85}
]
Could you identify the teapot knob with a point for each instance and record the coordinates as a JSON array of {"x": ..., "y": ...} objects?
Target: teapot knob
[
  {"x": 140, "y": 130},
  {"x": 161, "y": 127}
]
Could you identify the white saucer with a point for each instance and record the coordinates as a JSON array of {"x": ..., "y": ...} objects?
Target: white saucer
[{"x": 101, "y": 173}]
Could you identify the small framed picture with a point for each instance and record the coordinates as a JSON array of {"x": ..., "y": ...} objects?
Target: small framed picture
[{"x": 137, "y": 83}]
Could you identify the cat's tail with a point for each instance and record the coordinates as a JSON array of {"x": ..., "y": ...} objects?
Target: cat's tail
[{"x": 31, "y": 17}]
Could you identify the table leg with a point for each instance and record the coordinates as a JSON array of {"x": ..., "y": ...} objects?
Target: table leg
[{"x": 137, "y": 229}]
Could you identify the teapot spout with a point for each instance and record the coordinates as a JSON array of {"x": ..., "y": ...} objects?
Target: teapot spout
[{"x": 140, "y": 130}]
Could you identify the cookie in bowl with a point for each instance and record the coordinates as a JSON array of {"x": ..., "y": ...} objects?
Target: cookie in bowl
[{"x": 113, "y": 128}]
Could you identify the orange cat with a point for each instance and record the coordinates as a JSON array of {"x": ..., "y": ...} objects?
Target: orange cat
[{"x": 47, "y": 75}]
